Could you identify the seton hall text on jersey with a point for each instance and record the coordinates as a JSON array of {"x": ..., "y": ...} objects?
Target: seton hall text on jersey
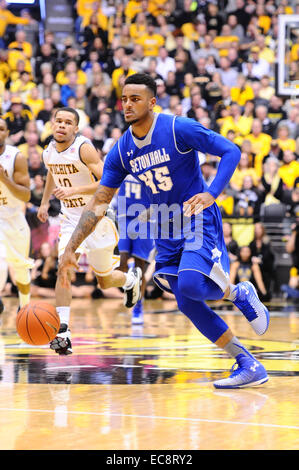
[
  {"x": 62, "y": 168},
  {"x": 149, "y": 159}
]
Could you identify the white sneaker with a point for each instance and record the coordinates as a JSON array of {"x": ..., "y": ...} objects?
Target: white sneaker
[
  {"x": 252, "y": 308},
  {"x": 249, "y": 373},
  {"x": 133, "y": 294}
]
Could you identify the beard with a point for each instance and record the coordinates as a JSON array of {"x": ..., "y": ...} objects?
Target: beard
[{"x": 132, "y": 121}]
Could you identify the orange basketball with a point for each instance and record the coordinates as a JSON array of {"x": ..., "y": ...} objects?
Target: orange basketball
[{"x": 37, "y": 323}]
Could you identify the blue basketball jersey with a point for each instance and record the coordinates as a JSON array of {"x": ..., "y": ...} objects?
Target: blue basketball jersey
[
  {"x": 166, "y": 162},
  {"x": 131, "y": 192}
]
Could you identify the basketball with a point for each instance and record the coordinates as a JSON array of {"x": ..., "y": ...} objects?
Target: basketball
[{"x": 37, "y": 323}]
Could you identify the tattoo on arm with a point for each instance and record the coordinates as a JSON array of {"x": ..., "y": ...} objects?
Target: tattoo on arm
[{"x": 92, "y": 214}]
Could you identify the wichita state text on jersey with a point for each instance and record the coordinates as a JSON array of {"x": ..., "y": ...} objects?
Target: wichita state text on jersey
[{"x": 68, "y": 170}]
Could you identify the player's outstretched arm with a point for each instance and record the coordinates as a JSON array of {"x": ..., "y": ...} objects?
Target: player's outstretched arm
[{"x": 91, "y": 215}]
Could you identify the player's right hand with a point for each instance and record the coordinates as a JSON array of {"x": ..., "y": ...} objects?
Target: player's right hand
[{"x": 42, "y": 213}]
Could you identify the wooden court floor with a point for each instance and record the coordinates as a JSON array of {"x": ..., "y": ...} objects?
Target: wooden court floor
[{"x": 148, "y": 387}]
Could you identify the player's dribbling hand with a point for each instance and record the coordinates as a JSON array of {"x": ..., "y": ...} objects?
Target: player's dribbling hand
[
  {"x": 67, "y": 262},
  {"x": 197, "y": 203}
]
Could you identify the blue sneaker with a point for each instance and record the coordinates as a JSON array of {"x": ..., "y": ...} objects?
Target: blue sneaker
[
  {"x": 137, "y": 313},
  {"x": 249, "y": 374},
  {"x": 252, "y": 308}
]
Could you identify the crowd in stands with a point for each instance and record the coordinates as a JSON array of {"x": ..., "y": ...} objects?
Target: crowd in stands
[{"x": 213, "y": 61}]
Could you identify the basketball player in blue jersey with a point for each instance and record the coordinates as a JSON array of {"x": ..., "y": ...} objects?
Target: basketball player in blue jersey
[
  {"x": 130, "y": 197},
  {"x": 192, "y": 261}
]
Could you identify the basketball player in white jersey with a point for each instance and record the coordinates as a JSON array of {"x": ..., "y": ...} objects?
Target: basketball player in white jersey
[
  {"x": 14, "y": 229},
  {"x": 72, "y": 162}
]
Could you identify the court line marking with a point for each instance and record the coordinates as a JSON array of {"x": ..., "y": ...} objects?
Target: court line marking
[{"x": 171, "y": 418}]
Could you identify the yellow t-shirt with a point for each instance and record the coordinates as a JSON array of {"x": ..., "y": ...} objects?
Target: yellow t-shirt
[
  {"x": 261, "y": 147},
  {"x": 4, "y": 72},
  {"x": 85, "y": 10},
  {"x": 268, "y": 55},
  {"x": 154, "y": 7},
  {"x": 133, "y": 7},
  {"x": 137, "y": 30},
  {"x": 241, "y": 97},
  {"x": 222, "y": 43},
  {"x": 151, "y": 44},
  {"x": 35, "y": 105},
  {"x": 288, "y": 144},
  {"x": 264, "y": 22},
  {"x": 62, "y": 79},
  {"x": 242, "y": 126},
  {"x": 227, "y": 203},
  {"x": 25, "y": 46},
  {"x": 24, "y": 149},
  {"x": 13, "y": 58},
  {"x": 19, "y": 87},
  {"x": 289, "y": 173},
  {"x": 116, "y": 74},
  {"x": 239, "y": 175}
]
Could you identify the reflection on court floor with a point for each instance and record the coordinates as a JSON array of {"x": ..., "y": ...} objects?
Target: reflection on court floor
[{"x": 138, "y": 385}]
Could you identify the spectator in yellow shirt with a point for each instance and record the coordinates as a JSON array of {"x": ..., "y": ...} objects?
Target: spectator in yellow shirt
[
  {"x": 289, "y": 171},
  {"x": 225, "y": 40},
  {"x": 20, "y": 44},
  {"x": 6, "y": 18},
  {"x": 23, "y": 85},
  {"x": 236, "y": 121},
  {"x": 261, "y": 144},
  {"x": 119, "y": 74},
  {"x": 283, "y": 139},
  {"x": 132, "y": 9},
  {"x": 31, "y": 143},
  {"x": 62, "y": 77},
  {"x": 139, "y": 27},
  {"x": 4, "y": 67},
  {"x": 151, "y": 41},
  {"x": 226, "y": 204},
  {"x": 85, "y": 8},
  {"x": 243, "y": 92},
  {"x": 243, "y": 169},
  {"x": 33, "y": 100},
  {"x": 19, "y": 50}
]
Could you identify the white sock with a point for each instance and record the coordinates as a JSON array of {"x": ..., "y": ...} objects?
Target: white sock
[
  {"x": 232, "y": 295},
  {"x": 24, "y": 299},
  {"x": 64, "y": 314},
  {"x": 130, "y": 279}
]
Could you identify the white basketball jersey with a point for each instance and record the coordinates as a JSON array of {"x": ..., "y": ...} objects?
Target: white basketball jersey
[
  {"x": 9, "y": 205},
  {"x": 68, "y": 170}
]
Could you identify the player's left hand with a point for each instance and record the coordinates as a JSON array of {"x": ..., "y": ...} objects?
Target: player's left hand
[
  {"x": 197, "y": 203},
  {"x": 63, "y": 193}
]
